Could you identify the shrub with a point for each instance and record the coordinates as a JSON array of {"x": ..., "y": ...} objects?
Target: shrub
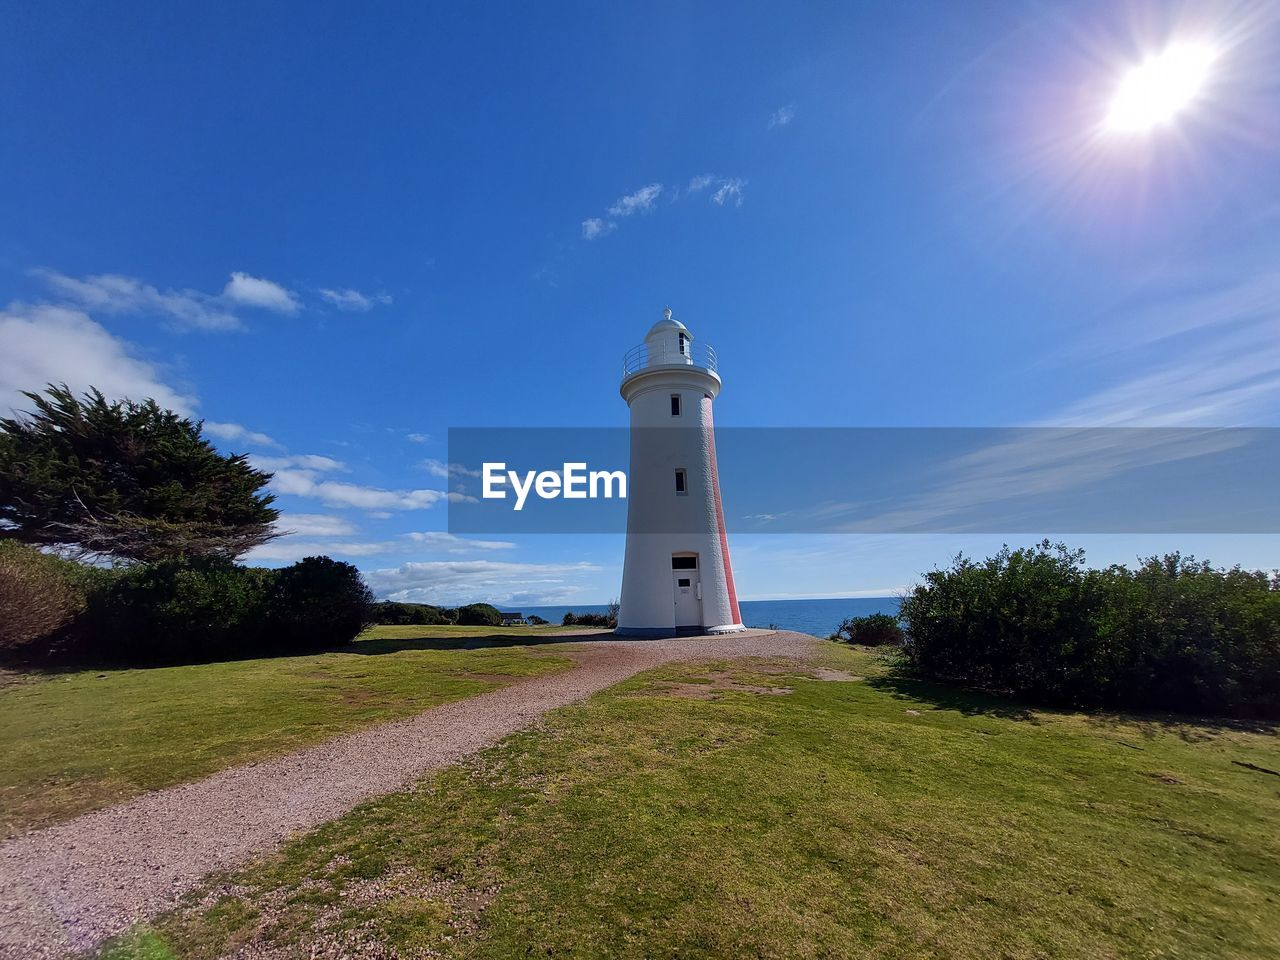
[
  {"x": 42, "y": 599},
  {"x": 479, "y": 615},
  {"x": 572, "y": 619},
  {"x": 391, "y": 612},
  {"x": 536, "y": 621},
  {"x": 874, "y": 630},
  {"x": 1174, "y": 634},
  {"x": 318, "y": 602},
  {"x": 180, "y": 610},
  {"x": 207, "y": 609}
]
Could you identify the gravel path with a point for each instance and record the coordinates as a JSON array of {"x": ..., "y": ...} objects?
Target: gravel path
[{"x": 67, "y": 887}]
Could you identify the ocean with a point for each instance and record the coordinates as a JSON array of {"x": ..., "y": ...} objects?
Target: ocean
[{"x": 818, "y": 617}]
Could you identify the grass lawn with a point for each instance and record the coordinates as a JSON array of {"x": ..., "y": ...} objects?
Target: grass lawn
[
  {"x": 740, "y": 810},
  {"x": 73, "y": 742}
]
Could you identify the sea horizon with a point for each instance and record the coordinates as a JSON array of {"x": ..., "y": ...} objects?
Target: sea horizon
[{"x": 817, "y": 616}]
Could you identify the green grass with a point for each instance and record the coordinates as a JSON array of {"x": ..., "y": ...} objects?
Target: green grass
[
  {"x": 696, "y": 812},
  {"x": 77, "y": 741}
]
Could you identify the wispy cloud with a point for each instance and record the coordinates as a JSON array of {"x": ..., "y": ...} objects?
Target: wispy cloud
[
  {"x": 353, "y": 301},
  {"x": 641, "y": 201},
  {"x": 237, "y": 432},
  {"x": 258, "y": 292},
  {"x": 729, "y": 191},
  {"x": 112, "y": 293},
  {"x": 41, "y": 344},
  {"x": 418, "y": 437},
  {"x": 782, "y": 116},
  {"x": 308, "y": 483},
  {"x": 302, "y": 461},
  {"x": 465, "y": 581},
  {"x": 594, "y": 227},
  {"x": 438, "y": 468},
  {"x": 449, "y": 543},
  {"x": 315, "y": 525}
]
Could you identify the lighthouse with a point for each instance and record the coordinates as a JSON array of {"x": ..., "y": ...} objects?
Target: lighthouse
[{"x": 676, "y": 577}]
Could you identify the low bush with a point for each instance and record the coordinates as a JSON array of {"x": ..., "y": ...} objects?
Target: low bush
[
  {"x": 179, "y": 610},
  {"x": 479, "y": 615},
  {"x": 1173, "y": 634},
  {"x": 572, "y": 619},
  {"x": 873, "y": 630},
  {"x": 182, "y": 610},
  {"x": 392, "y": 612},
  {"x": 535, "y": 621},
  {"x": 317, "y": 602},
  {"x": 42, "y": 599}
]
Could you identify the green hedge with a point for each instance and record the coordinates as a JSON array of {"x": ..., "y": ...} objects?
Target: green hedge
[
  {"x": 1174, "y": 634},
  {"x": 873, "y": 630},
  {"x": 479, "y": 615},
  {"x": 392, "y": 612},
  {"x": 174, "y": 610}
]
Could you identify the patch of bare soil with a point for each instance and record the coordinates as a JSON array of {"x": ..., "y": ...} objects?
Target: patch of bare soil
[
  {"x": 833, "y": 676},
  {"x": 717, "y": 682}
]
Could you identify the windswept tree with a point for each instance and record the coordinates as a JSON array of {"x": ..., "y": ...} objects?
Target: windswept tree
[{"x": 125, "y": 479}]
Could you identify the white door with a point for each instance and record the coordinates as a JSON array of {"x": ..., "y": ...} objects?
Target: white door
[{"x": 688, "y": 605}]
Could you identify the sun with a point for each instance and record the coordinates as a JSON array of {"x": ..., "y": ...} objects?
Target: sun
[{"x": 1155, "y": 91}]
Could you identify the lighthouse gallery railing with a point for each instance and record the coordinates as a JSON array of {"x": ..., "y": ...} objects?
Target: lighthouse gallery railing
[{"x": 694, "y": 355}]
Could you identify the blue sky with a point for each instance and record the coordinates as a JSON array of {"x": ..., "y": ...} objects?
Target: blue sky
[{"x": 334, "y": 233}]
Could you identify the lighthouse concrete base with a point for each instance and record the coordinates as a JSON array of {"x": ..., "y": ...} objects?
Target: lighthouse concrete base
[{"x": 658, "y": 633}]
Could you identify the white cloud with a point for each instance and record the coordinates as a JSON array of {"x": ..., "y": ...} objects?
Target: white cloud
[
  {"x": 113, "y": 293},
  {"x": 467, "y": 581},
  {"x": 594, "y": 227},
  {"x": 782, "y": 116},
  {"x": 729, "y": 190},
  {"x": 700, "y": 183},
  {"x": 418, "y": 437},
  {"x": 438, "y": 468},
  {"x": 353, "y": 300},
  {"x": 258, "y": 292},
  {"x": 305, "y": 483},
  {"x": 303, "y": 461},
  {"x": 640, "y": 201},
  {"x": 44, "y": 344},
  {"x": 234, "y": 431},
  {"x": 289, "y": 549},
  {"x": 315, "y": 525},
  {"x": 447, "y": 542}
]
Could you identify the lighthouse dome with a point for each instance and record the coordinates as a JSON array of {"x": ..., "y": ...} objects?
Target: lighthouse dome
[{"x": 668, "y": 325}]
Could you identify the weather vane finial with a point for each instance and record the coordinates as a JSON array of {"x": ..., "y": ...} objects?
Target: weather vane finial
[{"x": 666, "y": 313}]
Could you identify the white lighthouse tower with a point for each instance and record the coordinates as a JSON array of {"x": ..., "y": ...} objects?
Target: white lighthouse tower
[{"x": 677, "y": 577}]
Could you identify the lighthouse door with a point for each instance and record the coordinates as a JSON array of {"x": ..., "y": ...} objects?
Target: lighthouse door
[{"x": 688, "y": 593}]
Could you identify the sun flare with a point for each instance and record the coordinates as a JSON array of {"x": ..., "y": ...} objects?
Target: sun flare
[{"x": 1155, "y": 91}]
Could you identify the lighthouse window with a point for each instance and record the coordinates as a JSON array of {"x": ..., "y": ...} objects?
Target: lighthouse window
[
  {"x": 684, "y": 563},
  {"x": 675, "y": 404},
  {"x": 682, "y": 339},
  {"x": 680, "y": 482}
]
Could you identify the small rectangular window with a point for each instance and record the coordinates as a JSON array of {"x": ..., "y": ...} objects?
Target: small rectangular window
[
  {"x": 683, "y": 581},
  {"x": 680, "y": 482},
  {"x": 682, "y": 339},
  {"x": 675, "y": 404},
  {"x": 684, "y": 563}
]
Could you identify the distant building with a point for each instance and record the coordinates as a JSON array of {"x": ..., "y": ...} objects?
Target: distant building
[{"x": 511, "y": 618}]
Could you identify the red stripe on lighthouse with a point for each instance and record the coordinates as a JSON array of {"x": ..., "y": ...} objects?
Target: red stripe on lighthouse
[{"x": 715, "y": 493}]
